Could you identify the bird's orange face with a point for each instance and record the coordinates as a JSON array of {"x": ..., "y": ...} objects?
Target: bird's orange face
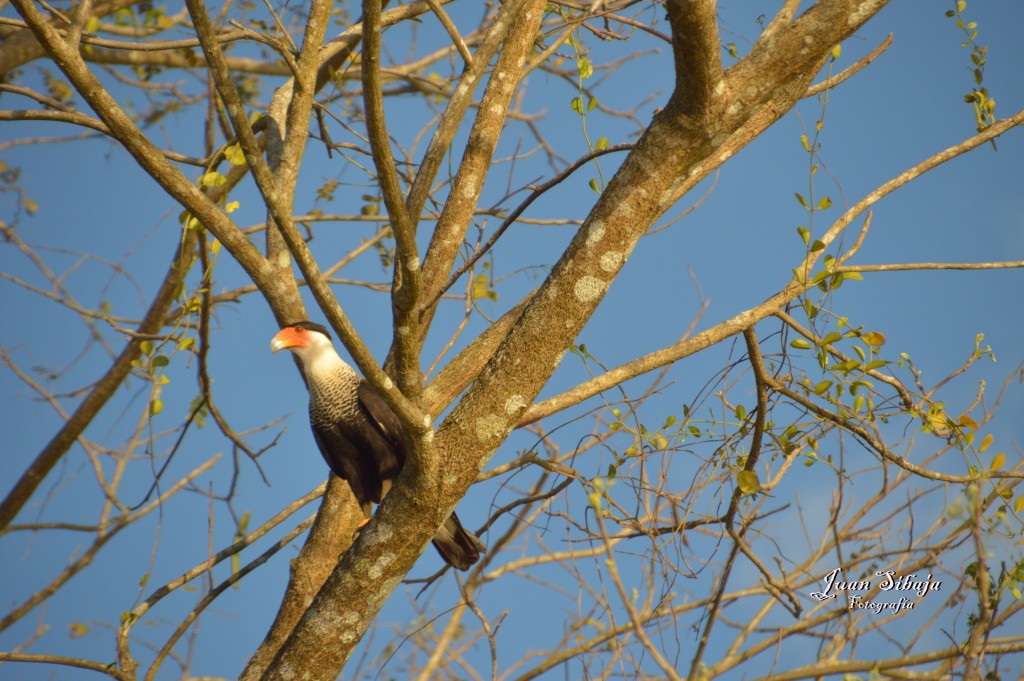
[{"x": 290, "y": 337}]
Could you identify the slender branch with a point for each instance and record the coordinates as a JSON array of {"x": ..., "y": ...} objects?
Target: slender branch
[
  {"x": 142, "y": 149},
  {"x": 459, "y": 101},
  {"x": 477, "y": 159},
  {"x": 99, "y": 542},
  {"x": 104, "y": 388},
  {"x": 101, "y": 667},
  {"x": 850, "y": 71},
  {"x": 228, "y": 91},
  {"x": 161, "y": 45},
  {"x": 909, "y": 267},
  {"x": 84, "y": 121},
  {"x": 227, "y": 552},
  {"x": 823, "y": 668},
  {"x": 453, "y": 32},
  {"x": 635, "y": 617},
  {"x": 535, "y": 193},
  {"x": 407, "y": 276},
  {"x": 216, "y": 591},
  {"x": 908, "y": 401}
]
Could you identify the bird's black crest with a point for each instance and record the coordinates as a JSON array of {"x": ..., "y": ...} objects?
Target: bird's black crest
[{"x": 312, "y": 326}]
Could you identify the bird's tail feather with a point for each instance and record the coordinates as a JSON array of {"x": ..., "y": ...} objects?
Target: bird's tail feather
[{"x": 459, "y": 547}]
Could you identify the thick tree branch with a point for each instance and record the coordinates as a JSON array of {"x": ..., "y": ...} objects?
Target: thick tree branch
[{"x": 698, "y": 59}]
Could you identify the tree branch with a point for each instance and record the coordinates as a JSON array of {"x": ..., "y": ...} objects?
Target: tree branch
[{"x": 407, "y": 274}]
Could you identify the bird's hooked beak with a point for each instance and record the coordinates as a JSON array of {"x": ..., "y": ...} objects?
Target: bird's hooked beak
[{"x": 285, "y": 338}]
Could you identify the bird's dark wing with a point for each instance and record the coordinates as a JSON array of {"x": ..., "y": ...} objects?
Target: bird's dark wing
[
  {"x": 343, "y": 457},
  {"x": 380, "y": 415},
  {"x": 368, "y": 451},
  {"x": 459, "y": 547}
]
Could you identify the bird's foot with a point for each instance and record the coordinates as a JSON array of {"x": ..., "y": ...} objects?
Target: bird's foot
[{"x": 359, "y": 528}]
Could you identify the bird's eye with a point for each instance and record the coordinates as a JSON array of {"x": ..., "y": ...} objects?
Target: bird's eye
[{"x": 299, "y": 329}]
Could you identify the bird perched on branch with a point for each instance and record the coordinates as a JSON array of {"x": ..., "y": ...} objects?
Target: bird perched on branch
[{"x": 359, "y": 435}]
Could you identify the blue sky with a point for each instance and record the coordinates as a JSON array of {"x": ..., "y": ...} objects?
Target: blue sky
[{"x": 740, "y": 244}]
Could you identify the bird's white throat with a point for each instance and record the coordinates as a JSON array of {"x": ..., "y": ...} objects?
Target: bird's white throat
[{"x": 323, "y": 363}]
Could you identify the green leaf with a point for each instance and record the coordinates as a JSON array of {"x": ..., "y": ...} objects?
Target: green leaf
[
  {"x": 601, "y": 143},
  {"x": 161, "y": 361},
  {"x": 824, "y": 203},
  {"x": 805, "y": 234},
  {"x": 77, "y": 630},
  {"x": 593, "y": 185},
  {"x": 998, "y": 461},
  {"x": 874, "y": 338},
  {"x": 235, "y": 155},
  {"x": 847, "y": 366},
  {"x": 822, "y": 387},
  {"x": 146, "y": 347},
  {"x": 800, "y": 344},
  {"x": 831, "y": 338},
  {"x": 810, "y": 309},
  {"x": 156, "y": 406},
  {"x": 591, "y": 104},
  {"x": 748, "y": 482},
  {"x": 741, "y": 412},
  {"x": 577, "y": 105},
  {"x": 482, "y": 287},
  {"x": 801, "y": 199},
  {"x": 805, "y": 143},
  {"x": 585, "y": 68},
  {"x": 212, "y": 179},
  {"x": 818, "y": 245}
]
